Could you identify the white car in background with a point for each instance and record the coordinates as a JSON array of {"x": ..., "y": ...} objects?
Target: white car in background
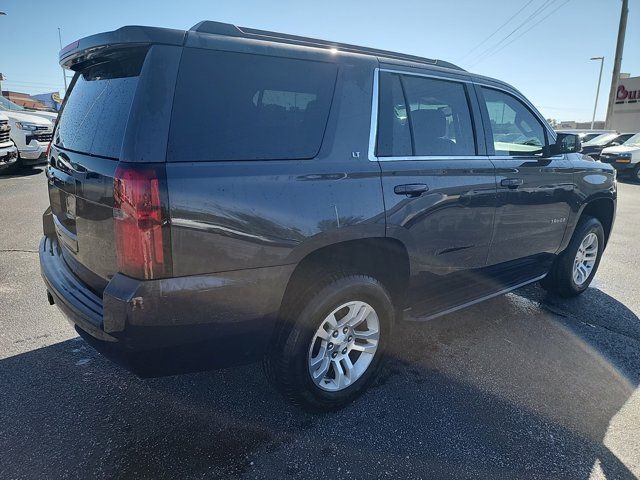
[
  {"x": 31, "y": 131},
  {"x": 8, "y": 151},
  {"x": 625, "y": 158}
]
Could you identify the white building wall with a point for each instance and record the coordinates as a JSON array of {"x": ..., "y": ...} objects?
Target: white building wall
[{"x": 626, "y": 110}]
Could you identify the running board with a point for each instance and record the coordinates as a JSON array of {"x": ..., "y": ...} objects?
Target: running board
[{"x": 408, "y": 317}]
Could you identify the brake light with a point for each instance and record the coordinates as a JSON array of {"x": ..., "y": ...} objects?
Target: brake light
[{"x": 141, "y": 227}]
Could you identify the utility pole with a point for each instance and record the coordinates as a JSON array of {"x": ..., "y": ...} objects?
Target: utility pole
[
  {"x": 64, "y": 75},
  {"x": 622, "y": 28},
  {"x": 595, "y": 106}
]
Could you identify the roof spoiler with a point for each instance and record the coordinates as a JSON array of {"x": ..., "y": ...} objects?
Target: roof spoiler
[
  {"x": 77, "y": 53},
  {"x": 219, "y": 28}
]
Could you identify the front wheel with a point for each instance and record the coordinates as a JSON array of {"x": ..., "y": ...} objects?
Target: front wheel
[
  {"x": 574, "y": 269},
  {"x": 331, "y": 342},
  {"x": 636, "y": 173}
]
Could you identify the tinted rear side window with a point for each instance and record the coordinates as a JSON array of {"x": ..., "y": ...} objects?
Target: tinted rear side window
[
  {"x": 95, "y": 115},
  {"x": 236, "y": 106}
]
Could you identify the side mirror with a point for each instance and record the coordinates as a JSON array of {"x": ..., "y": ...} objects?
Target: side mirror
[
  {"x": 566, "y": 143},
  {"x": 614, "y": 144}
]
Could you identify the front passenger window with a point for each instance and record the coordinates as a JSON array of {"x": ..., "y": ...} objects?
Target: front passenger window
[{"x": 516, "y": 131}]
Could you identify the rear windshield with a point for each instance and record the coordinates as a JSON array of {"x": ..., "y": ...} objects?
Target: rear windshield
[
  {"x": 95, "y": 114},
  {"x": 236, "y": 106}
]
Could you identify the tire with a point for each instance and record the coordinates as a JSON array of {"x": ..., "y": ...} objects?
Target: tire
[
  {"x": 561, "y": 279},
  {"x": 636, "y": 173},
  {"x": 295, "y": 343}
]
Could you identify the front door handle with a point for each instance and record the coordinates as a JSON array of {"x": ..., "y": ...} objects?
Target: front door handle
[
  {"x": 410, "y": 189},
  {"x": 511, "y": 182}
]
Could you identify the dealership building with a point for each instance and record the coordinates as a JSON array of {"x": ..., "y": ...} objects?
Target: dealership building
[{"x": 625, "y": 116}]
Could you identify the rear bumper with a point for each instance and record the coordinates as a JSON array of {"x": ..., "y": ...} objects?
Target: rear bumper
[{"x": 172, "y": 325}]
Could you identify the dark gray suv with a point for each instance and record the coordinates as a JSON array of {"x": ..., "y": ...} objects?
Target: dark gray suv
[{"x": 223, "y": 195}]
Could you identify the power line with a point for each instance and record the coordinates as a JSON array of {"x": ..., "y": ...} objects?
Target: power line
[
  {"x": 33, "y": 84},
  {"x": 497, "y": 29},
  {"x": 531, "y": 16},
  {"x": 530, "y": 28}
]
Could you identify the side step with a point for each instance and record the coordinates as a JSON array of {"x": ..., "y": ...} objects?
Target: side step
[{"x": 430, "y": 310}]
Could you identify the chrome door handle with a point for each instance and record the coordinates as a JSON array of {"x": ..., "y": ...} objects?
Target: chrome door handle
[
  {"x": 511, "y": 182},
  {"x": 410, "y": 189}
]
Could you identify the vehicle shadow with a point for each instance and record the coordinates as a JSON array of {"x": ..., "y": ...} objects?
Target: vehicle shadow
[
  {"x": 518, "y": 387},
  {"x": 23, "y": 172}
]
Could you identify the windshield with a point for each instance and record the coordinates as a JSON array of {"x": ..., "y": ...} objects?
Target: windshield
[
  {"x": 6, "y": 104},
  {"x": 633, "y": 141},
  {"x": 601, "y": 139}
]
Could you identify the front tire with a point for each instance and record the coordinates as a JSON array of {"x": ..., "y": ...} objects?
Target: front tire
[
  {"x": 574, "y": 269},
  {"x": 636, "y": 173},
  {"x": 331, "y": 341}
]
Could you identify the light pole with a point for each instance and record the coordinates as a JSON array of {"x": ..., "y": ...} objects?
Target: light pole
[
  {"x": 64, "y": 74},
  {"x": 595, "y": 106},
  {"x": 615, "y": 76},
  {"x": 1, "y": 75}
]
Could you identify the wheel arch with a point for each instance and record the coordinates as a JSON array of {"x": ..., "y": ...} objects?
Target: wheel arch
[
  {"x": 603, "y": 209},
  {"x": 384, "y": 258}
]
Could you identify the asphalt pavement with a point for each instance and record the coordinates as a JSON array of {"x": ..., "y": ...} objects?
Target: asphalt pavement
[{"x": 523, "y": 386}]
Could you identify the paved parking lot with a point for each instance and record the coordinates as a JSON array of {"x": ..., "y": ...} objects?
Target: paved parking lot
[{"x": 523, "y": 386}]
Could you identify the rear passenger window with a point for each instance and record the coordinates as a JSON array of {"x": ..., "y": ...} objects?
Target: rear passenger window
[
  {"x": 423, "y": 117},
  {"x": 236, "y": 106},
  {"x": 516, "y": 131}
]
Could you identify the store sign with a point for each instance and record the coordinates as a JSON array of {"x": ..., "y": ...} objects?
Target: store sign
[{"x": 628, "y": 92}]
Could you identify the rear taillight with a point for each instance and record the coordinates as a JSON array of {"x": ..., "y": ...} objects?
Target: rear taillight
[{"x": 141, "y": 221}]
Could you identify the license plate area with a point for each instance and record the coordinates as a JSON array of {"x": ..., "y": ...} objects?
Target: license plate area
[{"x": 65, "y": 236}]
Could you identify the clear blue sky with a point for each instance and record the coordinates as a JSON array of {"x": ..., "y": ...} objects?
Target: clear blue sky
[{"x": 550, "y": 63}]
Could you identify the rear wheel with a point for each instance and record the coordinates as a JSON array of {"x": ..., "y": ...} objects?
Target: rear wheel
[
  {"x": 331, "y": 341},
  {"x": 574, "y": 269}
]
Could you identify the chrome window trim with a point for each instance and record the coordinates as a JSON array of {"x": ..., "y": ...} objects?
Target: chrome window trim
[
  {"x": 525, "y": 157},
  {"x": 373, "y": 130}
]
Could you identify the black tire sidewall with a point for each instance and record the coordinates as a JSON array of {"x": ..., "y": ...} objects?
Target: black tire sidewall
[
  {"x": 298, "y": 342},
  {"x": 590, "y": 225}
]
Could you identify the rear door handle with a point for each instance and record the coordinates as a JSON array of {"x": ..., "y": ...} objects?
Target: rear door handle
[
  {"x": 511, "y": 182},
  {"x": 410, "y": 189}
]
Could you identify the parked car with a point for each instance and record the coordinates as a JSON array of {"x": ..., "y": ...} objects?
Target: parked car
[
  {"x": 586, "y": 135},
  {"x": 302, "y": 204},
  {"x": 8, "y": 105},
  {"x": 31, "y": 135},
  {"x": 625, "y": 158},
  {"x": 594, "y": 146},
  {"x": 8, "y": 151}
]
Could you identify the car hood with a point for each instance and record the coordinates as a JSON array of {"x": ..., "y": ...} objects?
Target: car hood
[
  {"x": 26, "y": 117},
  {"x": 620, "y": 149},
  {"x": 48, "y": 115}
]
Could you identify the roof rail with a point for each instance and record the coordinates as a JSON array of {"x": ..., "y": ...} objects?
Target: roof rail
[{"x": 219, "y": 28}]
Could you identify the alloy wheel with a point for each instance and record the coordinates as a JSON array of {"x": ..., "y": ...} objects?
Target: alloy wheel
[
  {"x": 585, "y": 260},
  {"x": 344, "y": 346}
]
